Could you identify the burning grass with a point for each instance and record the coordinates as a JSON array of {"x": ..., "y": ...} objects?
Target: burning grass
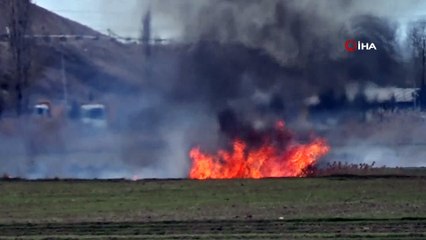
[
  {"x": 360, "y": 170},
  {"x": 277, "y": 155}
]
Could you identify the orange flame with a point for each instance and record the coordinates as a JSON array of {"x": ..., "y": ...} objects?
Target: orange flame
[{"x": 268, "y": 160}]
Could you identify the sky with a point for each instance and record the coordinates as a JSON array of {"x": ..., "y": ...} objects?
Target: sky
[
  {"x": 122, "y": 17},
  {"x": 83, "y": 11}
]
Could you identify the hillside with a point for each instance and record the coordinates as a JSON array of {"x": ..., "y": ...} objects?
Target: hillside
[
  {"x": 92, "y": 66},
  {"x": 209, "y": 72}
]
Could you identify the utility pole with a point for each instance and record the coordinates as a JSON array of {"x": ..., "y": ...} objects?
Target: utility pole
[
  {"x": 64, "y": 80},
  {"x": 422, "y": 93},
  {"x": 146, "y": 33},
  {"x": 20, "y": 47},
  {"x": 145, "y": 38},
  {"x": 423, "y": 63}
]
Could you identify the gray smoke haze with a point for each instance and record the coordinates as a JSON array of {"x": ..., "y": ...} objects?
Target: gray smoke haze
[
  {"x": 256, "y": 61},
  {"x": 307, "y": 37},
  {"x": 284, "y": 28},
  {"x": 299, "y": 34}
]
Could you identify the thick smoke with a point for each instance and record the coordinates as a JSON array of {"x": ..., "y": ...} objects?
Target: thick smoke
[
  {"x": 232, "y": 69},
  {"x": 305, "y": 42}
]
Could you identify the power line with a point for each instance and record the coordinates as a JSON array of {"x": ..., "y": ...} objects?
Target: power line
[
  {"x": 76, "y": 37},
  {"x": 88, "y": 11}
]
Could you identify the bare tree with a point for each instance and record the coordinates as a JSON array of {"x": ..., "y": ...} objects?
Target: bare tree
[
  {"x": 417, "y": 38},
  {"x": 20, "y": 46}
]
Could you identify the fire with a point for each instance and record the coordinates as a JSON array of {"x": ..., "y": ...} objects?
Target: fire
[{"x": 267, "y": 160}]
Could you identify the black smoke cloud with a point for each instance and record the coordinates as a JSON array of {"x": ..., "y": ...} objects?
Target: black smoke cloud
[
  {"x": 253, "y": 62},
  {"x": 246, "y": 64},
  {"x": 238, "y": 67},
  {"x": 283, "y": 50},
  {"x": 243, "y": 65},
  {"x": 302, "y": 37}
]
